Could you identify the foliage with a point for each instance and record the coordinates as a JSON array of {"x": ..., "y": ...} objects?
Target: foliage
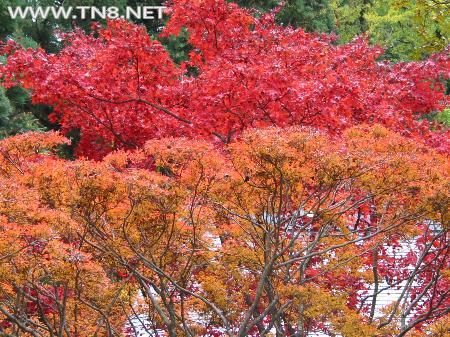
[
  {"x": 410, "y": 30},
  {"x": 283, "y": 230},
  {"x": 249, "y": 178},
  {"x": 350, "y": 17},
  {"x": 13, "y": 119},
  {"x": 250, "y": 72},
  {"x": 311, "y": 15},
  {"x": 8, "y": 24},
  {"x": 43, "y": 33},
  {"x": 407, "y": 29},
  {"x": 444, "y": 117}
]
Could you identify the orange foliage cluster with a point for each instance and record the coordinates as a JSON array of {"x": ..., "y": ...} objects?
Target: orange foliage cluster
[{"x": 278, "y": 233}]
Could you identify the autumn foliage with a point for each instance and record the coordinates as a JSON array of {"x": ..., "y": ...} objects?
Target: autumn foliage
[
  {"x": 284, "y": 231},
  {"x": 242, "y": 72},
  {"x": 275, "y": 184}
]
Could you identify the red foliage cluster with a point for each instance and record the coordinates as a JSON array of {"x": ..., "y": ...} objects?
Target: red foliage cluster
[{"x": 120, "y": 87}]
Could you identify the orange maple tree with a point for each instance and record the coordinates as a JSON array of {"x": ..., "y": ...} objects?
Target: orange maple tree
[{"x": 284, "y": 232}]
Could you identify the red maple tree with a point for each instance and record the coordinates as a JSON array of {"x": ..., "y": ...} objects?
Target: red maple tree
[{"x": 120, "y": 88}]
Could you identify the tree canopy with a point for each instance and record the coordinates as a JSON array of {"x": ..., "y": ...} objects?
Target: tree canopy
[
  {"x": 248, "y": 72},
  {"x": 284, "y": 232},
  {"x": 407, "y": 30}
]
